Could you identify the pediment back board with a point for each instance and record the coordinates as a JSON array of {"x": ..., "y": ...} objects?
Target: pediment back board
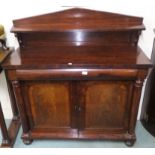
[{"x": 78, "y": 27}]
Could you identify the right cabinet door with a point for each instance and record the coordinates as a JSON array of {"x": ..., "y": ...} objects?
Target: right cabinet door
[{"x": 104, "y": 108}]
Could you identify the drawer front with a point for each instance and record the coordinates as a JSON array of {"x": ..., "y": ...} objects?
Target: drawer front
[{"x": 72, "y": 73}]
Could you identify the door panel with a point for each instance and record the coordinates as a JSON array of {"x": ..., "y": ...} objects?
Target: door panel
[
  {"x": 48, "y": 105},
  {"x": 105, "y": 105},
  {"x": 66, "y": 108}
]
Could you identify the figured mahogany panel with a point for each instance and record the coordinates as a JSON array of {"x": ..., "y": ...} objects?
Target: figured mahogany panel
[
  {"x": 48, "y": 104},
  {"x": 105, "y": 105}
]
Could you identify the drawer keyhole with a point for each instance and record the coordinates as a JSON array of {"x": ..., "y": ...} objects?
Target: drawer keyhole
[{"x": 78, "y": 108}]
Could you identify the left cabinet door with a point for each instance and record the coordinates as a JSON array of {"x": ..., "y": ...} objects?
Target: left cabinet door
[{"x": 49, "y": 107}]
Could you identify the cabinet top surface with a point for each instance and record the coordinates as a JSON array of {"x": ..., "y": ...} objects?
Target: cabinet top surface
[
  {"x": 82, "y": 57},
  {"x": 78, "y": 18}
]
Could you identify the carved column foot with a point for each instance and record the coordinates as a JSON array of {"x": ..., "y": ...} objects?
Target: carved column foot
[
  {"x": 27, "y": 141},
  {"x": 129, "y": 143},
  {"x": 5, "y": 143}
]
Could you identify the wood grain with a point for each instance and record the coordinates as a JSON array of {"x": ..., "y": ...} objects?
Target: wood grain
[{"x": 78, "y": 74}]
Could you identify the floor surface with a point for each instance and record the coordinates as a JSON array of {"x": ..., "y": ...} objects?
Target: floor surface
[{"x": 144, "y": 140}]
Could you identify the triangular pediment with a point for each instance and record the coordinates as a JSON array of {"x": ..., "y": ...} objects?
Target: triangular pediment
[{"x": 78, "y": 18}]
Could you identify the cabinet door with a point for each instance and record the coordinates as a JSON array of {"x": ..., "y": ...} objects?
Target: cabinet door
[
  {"x": 104, "y": 107},
  {"x": 49, "y": 108}
]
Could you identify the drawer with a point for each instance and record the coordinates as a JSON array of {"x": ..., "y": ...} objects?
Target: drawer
[{"x": 71, "y": 73}]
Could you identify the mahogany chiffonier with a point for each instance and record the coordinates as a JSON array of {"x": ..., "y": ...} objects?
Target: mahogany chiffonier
[
  {"x": 8, "y": 135},
  {"x": 148, "y": 108},
  {"x": 78, "y": 74}
]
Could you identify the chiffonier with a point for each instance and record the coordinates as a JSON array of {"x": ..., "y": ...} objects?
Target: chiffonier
[{"x": 78, "y": 74}]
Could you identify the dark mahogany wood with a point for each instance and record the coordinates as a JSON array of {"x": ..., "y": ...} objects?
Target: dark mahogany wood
[
  {"x": 78, "y": 27},
  {"x": 148, "y": 114},
  {"x": 78, "y": 74},
  {"x": 78, "y": 57},
  {"x": 76, "y": 19},
  {"x": 8, "y": 135}
]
